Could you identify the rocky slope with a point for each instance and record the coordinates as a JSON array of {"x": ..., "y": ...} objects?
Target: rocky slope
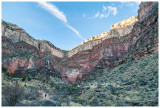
[{"x": 123, "y": 85}]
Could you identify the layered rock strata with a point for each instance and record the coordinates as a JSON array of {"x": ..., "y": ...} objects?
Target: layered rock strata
[
  {"x": 22, "y": 54},
  {"x": 16, "y": 34},
  {"x": 140, "y": 42}
]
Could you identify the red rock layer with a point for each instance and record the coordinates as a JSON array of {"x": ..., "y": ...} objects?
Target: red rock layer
[
  {"x": 142, "y": 41},
  {"x": 19, "y": 58}
]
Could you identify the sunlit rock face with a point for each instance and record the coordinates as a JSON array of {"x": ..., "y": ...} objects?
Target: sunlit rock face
[
  {"x": 124, "y": 23},
  {"x": 129, "y": 39}
]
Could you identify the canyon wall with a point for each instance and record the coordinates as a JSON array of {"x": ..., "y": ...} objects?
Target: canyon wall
[
  {"x": 22, "y": 59},
  {"x": 118, "y": 30},
  {"x": 17, "y": 34},
  {"x": 140, "y": 42},
  {"x": 125, "y": 41},
  {"x": 144, "y": 8}
]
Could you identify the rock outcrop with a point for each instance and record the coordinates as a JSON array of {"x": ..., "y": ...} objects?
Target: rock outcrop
[
  {"x": 124, "y": 23},
  {"x": 129, "y": 39},
  {"x": 21, "y": 59},
  {"x": 144, "y": 8}
]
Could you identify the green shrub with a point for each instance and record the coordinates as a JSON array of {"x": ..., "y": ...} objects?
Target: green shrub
[
  {"x": 108, "y": 103},
  {"x": 23, "y": 42},
  {"x": 71, "y": 88},
  {"x": 52, "y": 85},
  {"x": 34, "y": 78},
  {"x": 81, "y": 101},
  {"x": 4, "y": 69},
  {"x": 24, "y": 78},
  {"x": 90, "y": 50},
  {"x": 29, "y": 79},
  {"x": 57, "y": 87},
  {"x": 8, "y": 74}
]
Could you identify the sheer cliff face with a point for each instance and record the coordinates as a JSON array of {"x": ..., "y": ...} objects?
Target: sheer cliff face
[
  {"x": 144, "y": 8},
  {"x": 21, "y": 52},
  {"x": 140, "y": 42},
  {"x": 17, "y": 34},
  {"x": 117, "y": 30}
]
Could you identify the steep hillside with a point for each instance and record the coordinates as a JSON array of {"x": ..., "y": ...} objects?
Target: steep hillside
[{"x": 123, "y": 85}]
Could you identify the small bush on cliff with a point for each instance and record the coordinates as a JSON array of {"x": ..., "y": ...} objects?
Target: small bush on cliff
[
  {"x": 21, "y": 42},
  {"x": 29, "y": 79},
  {"x": 57, "y": 87},
  {"x": 54, "y": 85},
  {"x": 72, "y": 88},
  {"x": 24, "y": 78},
  {"x": 11, "y": 94},
  {"x": 90, "y": 50},
  {"x": 81, "y": 101},
  {"x": 4, "y": 69}
]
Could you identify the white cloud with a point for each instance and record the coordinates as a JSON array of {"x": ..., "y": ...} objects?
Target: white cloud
[
  {"x": 102, "y": 16},
  {"x": 138, "y": 2},
  {"x": 129, "y": 4},
  {"x": 112, "y": 9},
  {"x": 84, "y": 15},
  {"x": 104, "y": 8},
  {"x": 106, "y": 11},
  {"x": 59, "y": 14},
  {"x": 53, "y": 10},
  {"x": 96, "y": 15},
  {"x": 73, "y": 29}
]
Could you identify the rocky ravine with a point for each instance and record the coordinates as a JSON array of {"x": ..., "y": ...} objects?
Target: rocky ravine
[{"x": 108, "y": 64}]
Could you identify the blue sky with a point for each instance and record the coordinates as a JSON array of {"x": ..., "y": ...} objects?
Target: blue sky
[{"x": 66, "y": 24}]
